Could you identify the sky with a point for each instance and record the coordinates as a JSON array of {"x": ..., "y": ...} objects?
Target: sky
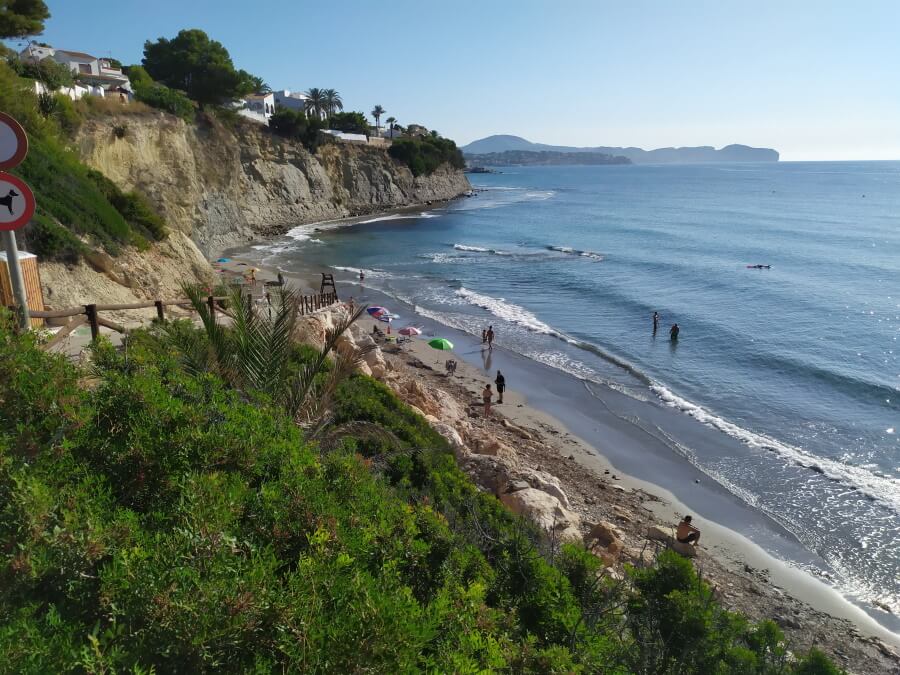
[{"x": 816, "y": 80}]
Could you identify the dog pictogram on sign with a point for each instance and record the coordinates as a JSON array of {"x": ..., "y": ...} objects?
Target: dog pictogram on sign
[{"x": 16, "y": 202}]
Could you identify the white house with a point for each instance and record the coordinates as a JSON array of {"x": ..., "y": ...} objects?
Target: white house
[
  {"x": 256, "y": 107},
  {"x": 294, "y": 100},
  {"x": 95, "y": 76}
]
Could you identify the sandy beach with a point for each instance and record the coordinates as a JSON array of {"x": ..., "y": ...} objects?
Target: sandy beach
[{"x": 746, "y": 577}]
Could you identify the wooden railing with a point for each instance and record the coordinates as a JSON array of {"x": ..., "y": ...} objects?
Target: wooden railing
[{"x": 90, "y": 314}]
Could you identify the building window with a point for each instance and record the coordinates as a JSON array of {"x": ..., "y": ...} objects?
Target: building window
[{"x": 84, "y": 68}]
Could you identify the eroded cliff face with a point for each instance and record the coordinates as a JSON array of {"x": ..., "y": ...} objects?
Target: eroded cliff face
[
  {"x": 222, "y": 187},
  {"x": 218, "y": 187}
]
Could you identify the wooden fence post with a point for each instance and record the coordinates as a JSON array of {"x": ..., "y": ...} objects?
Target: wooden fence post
[
  {"x": 91, "y": 312},
  {"x": 160, "y": 312},
  {"x": 211, "y": 303}
]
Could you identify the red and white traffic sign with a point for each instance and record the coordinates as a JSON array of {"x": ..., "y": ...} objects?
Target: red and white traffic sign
[
  {"x": 16, "y": 202},
  {"x": 13, "y": 142}
]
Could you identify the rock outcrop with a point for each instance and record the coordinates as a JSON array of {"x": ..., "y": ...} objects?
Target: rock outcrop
[{"x": 223, "y": 186}]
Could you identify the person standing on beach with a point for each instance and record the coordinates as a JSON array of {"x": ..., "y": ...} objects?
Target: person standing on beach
[
  {"x": 486, "y": 396},
  {"x": 673, "y": 332},
  {"x": 501, "y": 386},
  {"x": 483, "y": 335},
  {"x": 655, "y": 321},
  {"x": 490, "y": 337},
  {"x": 362, "y": 276}
]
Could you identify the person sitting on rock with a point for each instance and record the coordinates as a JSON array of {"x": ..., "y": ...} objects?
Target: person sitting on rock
[{"x": 687, "y": 533}]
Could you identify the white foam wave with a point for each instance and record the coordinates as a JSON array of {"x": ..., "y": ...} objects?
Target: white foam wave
[
  {"x": 574, "y": 251},
  {"x": 479, "y": 249},
  {"x": 401, "y": 216},
  {"x": 375, "y": 274},
  {"x": 881, "y": 488},
  {"x": 506, "y": 311}
]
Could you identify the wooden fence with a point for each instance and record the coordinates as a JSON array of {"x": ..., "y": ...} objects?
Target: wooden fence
[{"x": 90, "y": 314}]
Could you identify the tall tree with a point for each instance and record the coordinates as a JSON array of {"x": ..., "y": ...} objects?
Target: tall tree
[
  {"x": 198, "y": 66},
  {"x": 19, "y": 18},
  {"x": 392, "y": 121},
  {"x": 377, "y": 112},
  {"x": 333, "y": 101},
  {"x": 315, "y": 101}
]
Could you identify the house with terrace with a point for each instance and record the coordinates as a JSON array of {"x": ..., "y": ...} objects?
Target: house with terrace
[{"x": 93, "y": 76}]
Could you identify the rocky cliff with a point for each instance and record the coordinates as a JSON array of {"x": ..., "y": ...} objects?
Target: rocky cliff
[
  {"x": 219, "y": 187},
  {"x": 223, "y": 186}
]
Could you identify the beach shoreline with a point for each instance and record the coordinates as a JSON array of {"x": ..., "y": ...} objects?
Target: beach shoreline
[{"x": 750, "y": 579}]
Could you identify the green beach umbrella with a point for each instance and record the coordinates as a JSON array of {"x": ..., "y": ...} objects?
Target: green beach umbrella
[{"x": 441, "y": 343}]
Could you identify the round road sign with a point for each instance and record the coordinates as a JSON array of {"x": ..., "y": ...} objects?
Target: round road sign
[
  {"x": 13, "y": 142},
  {"x": 16, "y": 202}
]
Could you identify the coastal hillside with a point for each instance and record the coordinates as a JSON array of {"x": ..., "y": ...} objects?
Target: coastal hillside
[
  {"x": 503, "y": 143},
  {"x": 224, "y": 184}
]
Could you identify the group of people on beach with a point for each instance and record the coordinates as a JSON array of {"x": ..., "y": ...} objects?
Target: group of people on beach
[
  {"x": 487, "y": 394},
  {"x": 673, "y": 331}
]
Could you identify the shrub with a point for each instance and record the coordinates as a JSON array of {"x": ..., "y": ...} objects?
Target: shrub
[
  {"x": 423, "y": 155},
  {"x": 169, "y": 100},
  {"x": 349, "y": 122}
]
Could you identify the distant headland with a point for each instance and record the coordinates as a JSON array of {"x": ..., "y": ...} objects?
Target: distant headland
[{"x": 505, "y": 149}]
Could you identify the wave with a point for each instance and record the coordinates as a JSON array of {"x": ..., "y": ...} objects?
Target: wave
[
  {"x": 400, "y": 216},
  {"x": 480, "y": 249},
  {"x": 506, "y": 311},
  {"x": 574, "y": 251},
  {"x": 375, "y": 274},
  {"x": 874, "y": 486}
]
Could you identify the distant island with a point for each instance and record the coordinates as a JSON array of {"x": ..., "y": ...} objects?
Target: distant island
[
  {"x": 545, "y": 157},
  {"x": 501, "y": 147}
]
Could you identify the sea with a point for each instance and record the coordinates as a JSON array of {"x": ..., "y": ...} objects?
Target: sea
[{"x": 792, "y": 368}]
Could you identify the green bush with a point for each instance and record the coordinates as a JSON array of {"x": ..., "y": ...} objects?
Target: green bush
[
  {"x": 169, "y": 100},
  {"x": 423, "y": 155},
  {"x": 349, "y": 122},
  {"x": 158, "y": 520}
]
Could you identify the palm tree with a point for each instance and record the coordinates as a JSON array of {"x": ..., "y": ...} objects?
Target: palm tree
[
  {"x": 315, "y": 101},
  {"x": 392, "y": 121},
  {"x": 377, "y": 112},
  {"x": 332, "y": 101},
  {"x": 257, "y": 354}
]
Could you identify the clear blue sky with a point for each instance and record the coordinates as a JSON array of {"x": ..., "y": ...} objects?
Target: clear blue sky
[{"x": 813, "y": 79}]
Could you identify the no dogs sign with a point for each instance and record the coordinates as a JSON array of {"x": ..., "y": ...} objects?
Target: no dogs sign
[{"x": 16, "y": 202}]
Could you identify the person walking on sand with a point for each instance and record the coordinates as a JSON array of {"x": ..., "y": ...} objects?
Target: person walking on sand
[
  {"x": 686, "y": 533},
  {"x": 673, "y": 332},
  {"x": 655, "y": 321},
  {"x": 490, "y": 337},
  {"x": 486, "y": 396},
  {"x": 501, "y": 386}
]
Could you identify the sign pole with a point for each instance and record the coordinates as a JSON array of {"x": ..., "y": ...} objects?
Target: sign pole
[{"x": 16, "y": 278}]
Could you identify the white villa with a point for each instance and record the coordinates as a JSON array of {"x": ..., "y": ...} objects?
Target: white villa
[
  {"x": 293, "y": 100},
  {"x": 95, "y": 76},
  {"x": 256, "y": 107}
]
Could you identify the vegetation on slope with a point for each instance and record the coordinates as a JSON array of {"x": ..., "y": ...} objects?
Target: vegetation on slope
[
  {"x": 423, "y": 155},
  {"x": 154, "y": 516},
  {"x": 74, "y": 204}
]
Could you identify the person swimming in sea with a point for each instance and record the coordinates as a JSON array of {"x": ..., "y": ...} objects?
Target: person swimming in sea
[
  {"x": 655, "y": 321},
  {"x": 674, "y": 331}
]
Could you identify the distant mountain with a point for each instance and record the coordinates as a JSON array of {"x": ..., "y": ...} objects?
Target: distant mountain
[
  {"x": 544, "y": 157},
  {"x": 703, "y": 153}
]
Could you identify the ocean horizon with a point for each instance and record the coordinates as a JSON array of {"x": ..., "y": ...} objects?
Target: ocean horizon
[{"x": 793, "y": 367}]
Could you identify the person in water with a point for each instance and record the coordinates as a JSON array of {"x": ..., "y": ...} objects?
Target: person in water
[
  {"x": 486, "y": 396},
  {"x": 501, "y": 386},
  {"x": 655, "y": 321},
  {"x": 673, "y": 331},
  {"x": 490, "y": 337},
  {"x": 362, "y": 276},
  {"x": 483, "y": 335},
  {"x": 686, "y": 533}
]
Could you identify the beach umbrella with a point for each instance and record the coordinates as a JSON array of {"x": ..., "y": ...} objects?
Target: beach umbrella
[
  {"x": 409, "y": 330},
  {"x": 376, "y": 311},
  {"x": 441, "y": 343},
  {"x": 224, "y": 260}
]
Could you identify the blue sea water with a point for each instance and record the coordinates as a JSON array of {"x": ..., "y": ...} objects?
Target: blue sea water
[{"x": 799, "y": 362}]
